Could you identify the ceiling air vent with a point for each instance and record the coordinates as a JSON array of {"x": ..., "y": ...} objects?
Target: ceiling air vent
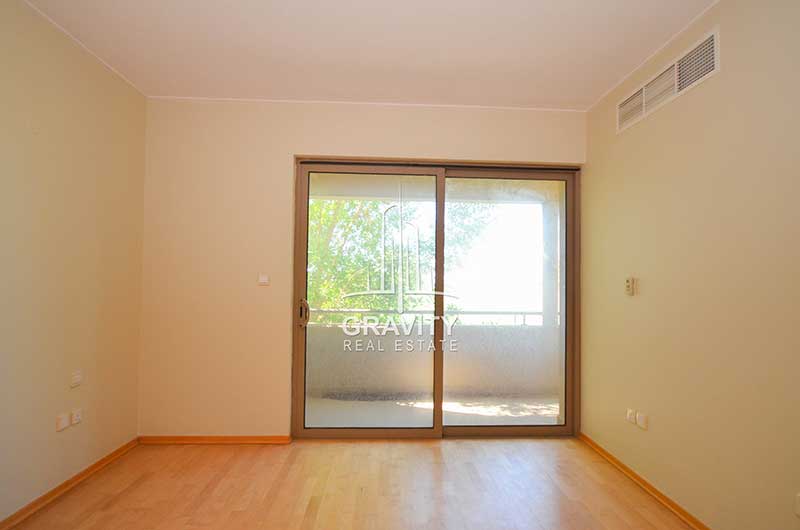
[
  {"x": 660, "y": 89},
  {"x": 630, "y": 110},
  {"x": 697, "y": 64},
  {"x": 683, "y": 73}
]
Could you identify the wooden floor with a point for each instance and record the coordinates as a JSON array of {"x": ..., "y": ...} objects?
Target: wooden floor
[{"x": 540, "y": 484}]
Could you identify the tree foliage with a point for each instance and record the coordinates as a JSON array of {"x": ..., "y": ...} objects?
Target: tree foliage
[{"x": 348, "y": 237}]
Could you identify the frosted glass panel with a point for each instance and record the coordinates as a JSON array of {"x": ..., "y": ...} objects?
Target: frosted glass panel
[
  {"x": 504, "y": 356},
  {"x": 369, "y": 350}
]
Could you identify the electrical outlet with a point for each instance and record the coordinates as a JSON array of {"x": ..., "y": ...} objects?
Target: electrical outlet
[
  {"x": 631, "y": 286},
  {"x": 62, "y": 421},
  {"x": 263, "y": 279},
  {"x": 630, "y": 416},
  {"x": 76, "y": 416},
  {"x": 76, "y": 379},
  {"x": 641, "y": 420}
]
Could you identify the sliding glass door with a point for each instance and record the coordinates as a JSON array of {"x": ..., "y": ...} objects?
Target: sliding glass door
[
  {"x": 431, "y": 301},
  {"x": 505, "y": 277},
  {"x": 370, "y": 294}
]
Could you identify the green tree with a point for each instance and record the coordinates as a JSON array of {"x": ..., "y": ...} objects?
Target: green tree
[{"x": 354, "y": 247}]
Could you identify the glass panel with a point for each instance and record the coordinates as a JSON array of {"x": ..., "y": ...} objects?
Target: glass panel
[
  {"x": 504, "y": 349},
  {"x": 369, "y": 341}
]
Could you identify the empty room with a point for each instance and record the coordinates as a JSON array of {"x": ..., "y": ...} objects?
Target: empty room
[{"x": 418, "y": 265}]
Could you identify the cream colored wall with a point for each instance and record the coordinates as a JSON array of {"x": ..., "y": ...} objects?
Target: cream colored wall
[
  {"x": 219, "y": 202},
  {"x": 699, "y": 201},
  {"x": 71, "y": 181}
]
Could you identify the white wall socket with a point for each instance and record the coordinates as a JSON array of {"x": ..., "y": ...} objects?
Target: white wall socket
[
  {"x": 76, "y": 416},
  {"x": 76, "y": 379},
  {"x": 62, "y": 421},
  {"x": 263, "y": 279},
  {"x": 630, "y": 416},
  {"x": 641, "y": 420}
]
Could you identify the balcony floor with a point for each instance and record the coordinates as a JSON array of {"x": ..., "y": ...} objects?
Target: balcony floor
[{"x": 324, "y": 412}]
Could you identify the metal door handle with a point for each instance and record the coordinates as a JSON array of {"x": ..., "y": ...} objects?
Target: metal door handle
[{"x": 305, "y": 312}]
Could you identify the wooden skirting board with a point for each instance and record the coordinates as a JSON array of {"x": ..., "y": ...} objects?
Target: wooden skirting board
[
  {"x": 39, "y": 503},
  {"x": 221, "y": 440},
  {"x": 673, "y": 506}
]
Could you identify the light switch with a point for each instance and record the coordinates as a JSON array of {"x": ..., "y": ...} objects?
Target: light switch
[
  {"x": 631, "y": 416},
  {"x": 263, "y": 279},
  {"x": 641, "y": 420},
  {"x": 76, "y": 416}
]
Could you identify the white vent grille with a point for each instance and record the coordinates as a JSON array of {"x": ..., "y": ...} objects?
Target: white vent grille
[
  {"x": 660, "y": 90},
  {"x": 683, "y": 73},
  {"x": 697, "y": 64},
  {"x": 630, "y": 110}
]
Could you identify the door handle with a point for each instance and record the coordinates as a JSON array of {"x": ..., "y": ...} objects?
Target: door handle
[{"x": 305, "y": 312}]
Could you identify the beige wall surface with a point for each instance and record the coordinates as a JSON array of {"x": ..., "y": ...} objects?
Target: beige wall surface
[
  {"x": 219, "y": 203},
  {"x": 699, "y": 200},
  {"x": 71, "y": 183}
]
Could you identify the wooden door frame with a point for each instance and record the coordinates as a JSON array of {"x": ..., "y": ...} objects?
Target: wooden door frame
[{"x": 441, "y": 169}]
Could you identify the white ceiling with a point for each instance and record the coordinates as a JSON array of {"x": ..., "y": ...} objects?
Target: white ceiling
[{"x": 561, "y": 54}]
